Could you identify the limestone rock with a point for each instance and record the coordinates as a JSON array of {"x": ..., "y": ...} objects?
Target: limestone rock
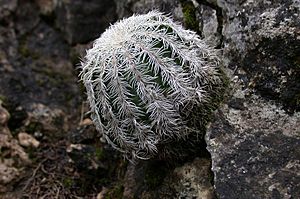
[
  {"x": 255, "y": 149},
  {"x": 193, "y": 180},
  {"x": 13, "y": 158},
  {"x": 155, "y": 179},
  {"x": 254, "y": 139},
  {"x": 27, "y": 140},
  {"x": 262, "y": 38}
]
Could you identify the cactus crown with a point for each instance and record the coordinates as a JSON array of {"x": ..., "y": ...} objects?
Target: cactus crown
[{"x": 140, "y": 75}]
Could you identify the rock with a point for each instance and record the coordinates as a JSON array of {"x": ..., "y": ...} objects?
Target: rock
[
  {"x": 13, "y": 158},
  {"x": 47, "y": 7},
  {"x": 102, "y": 194},
  {"x": 83, "y": 21},
  {"x": 4, "y": 115},
  {"x": 272, "y": 69},
  {"x": 48, "y": 74},
  {"x": 86, "y": 122},
  {"x": 50, "y": 120},
  {"x": 27, "y": 140},
  {"x": 126, "y": 8},
  {"x": 247, "y": 23},
  {"x": 7, "y": 7},
  {"x": 262, "y": 38},
  {"x": 84, "y": 134},
  {"x": 26, "y": 17},
  {"x": 156, "y": 179},
  {"x": 256, "y": 150},
  {"x": 254, "y": 139},
  {"x": 8, "y": 174},
  {"x": 210, "y": 25},
  {"x": 78, "y": 52},
  {"x": 44, "y": 42},
  {"x": 8, "y": 51},
  {"x": 193, "y": 180}
]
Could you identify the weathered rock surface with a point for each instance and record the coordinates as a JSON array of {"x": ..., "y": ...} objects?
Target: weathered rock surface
[
  {"x": 7, "y": 7},
  {"x": 156, "y": 179},
  {"x": 255, "y": 149},
  {"x": 82, "y": 21},
  {"x": 13, "y": 158},
  {"x": 126, "y": 8},
  {"x": 254, "y": 139},
  {"x": 262, "y": 38},
  {"x": 192, "y": 180}
]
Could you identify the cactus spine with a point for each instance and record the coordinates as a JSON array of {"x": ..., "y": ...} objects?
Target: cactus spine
[{"x": 140, "y": 75}]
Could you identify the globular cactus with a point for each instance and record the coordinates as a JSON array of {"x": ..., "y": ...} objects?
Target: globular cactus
[{"x": 143, "y": 77}]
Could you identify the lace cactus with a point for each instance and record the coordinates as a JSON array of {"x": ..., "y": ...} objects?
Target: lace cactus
[{"x": 142, "y": 76}]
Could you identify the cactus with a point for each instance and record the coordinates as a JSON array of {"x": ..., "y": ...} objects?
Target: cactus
[{"x": 143, "y": 77}]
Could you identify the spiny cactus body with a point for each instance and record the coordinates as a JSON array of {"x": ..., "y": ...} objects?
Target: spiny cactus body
[{"x": 142, "y": 75}]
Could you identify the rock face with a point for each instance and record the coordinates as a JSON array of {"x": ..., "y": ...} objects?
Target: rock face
[
  {"x": 126, "y": 8},
  {"x": 82, "y": 21},
  {"x": 255, "y": 149},
  {"x": 262, "y": 38},
  {"x": 156, "y": 179},
  {"x": 254, "y": 139}
]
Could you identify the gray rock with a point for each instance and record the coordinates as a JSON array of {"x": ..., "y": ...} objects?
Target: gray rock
[
  {"x": 246, "y": 23},
  {"x": 126, "y": 8},
  {"x": 155, "y": 179},
  {"x": 47, "y": 7},
  {"x": 209, "y": 20},
  {"x": 255, "y": 150},
  {"x": 254, "y": 139},
  {"x": 25, "y": 18},
  {"x": 7, "y": 7},
  {"x": 82, "y": 21},
  {"x": 192, "y": 180},
  {"x": 262, "y": 38}
]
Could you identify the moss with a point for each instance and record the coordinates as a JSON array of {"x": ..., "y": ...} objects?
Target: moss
[
  {"x": 3, "y": 99},
  {"x": 116, "y": 192},
  {"x": 68, "y": 182},
  {"x": 25, "y": 51},
  {"x": 99, "y": 153},
  {"x": 189, "y": 14},
  {"x": 55, "y": 79}
]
